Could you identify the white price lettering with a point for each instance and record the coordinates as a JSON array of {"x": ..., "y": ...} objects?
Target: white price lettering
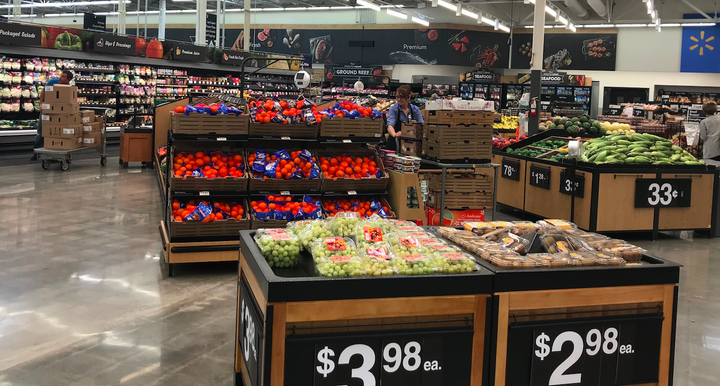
[
  {"x": 655, "y": 194},
  {"x": 363, "y": 372},
  {"x": 392, "y": 358},
  {"x": 221, "y": 138},
  {"x": 204, "y": 193},
  {"x": 568, "y": 186},
  {"x": 352, "y": 192},
  {"x": 508, "y": 170},
  {"x": 594, "y": 341},
  {"x": 249, "y": 341},
  {"x": 347, "y": 141}
]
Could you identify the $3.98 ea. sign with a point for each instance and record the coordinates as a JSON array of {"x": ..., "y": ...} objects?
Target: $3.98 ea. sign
[{"x": 250, "y": 334}]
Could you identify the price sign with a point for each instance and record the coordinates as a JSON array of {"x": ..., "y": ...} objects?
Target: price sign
[
  {"x": 510, "y": 169},
  {"x": 599, "y": 351},
  {"x": 651, "y": 193},
  {"x": 222, "y": 139},
  {"x": 204, "y": 193},
  {"x": 572, "y": 184},
  {"x": 638, "y": 112},
  {"x": 250, "y": 334},
  {"x": 387, "y": 357},
  {"x": 351, "y": 192},
  {"x": 545, "y": 106},
  {"x": 540, "y": 177},
  {"x": 347, "y": 141},
  {"x": 615, "y": 110}
]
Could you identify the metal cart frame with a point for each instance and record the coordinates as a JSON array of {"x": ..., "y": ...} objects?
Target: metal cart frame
[{"x": 64, "y": 157}]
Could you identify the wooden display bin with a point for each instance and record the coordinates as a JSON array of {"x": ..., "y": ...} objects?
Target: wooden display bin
[
  {"x": 136, "y": 147},
  {"x": 227, "y": 124},
  {"x": 345, "y": 184},
  {"x": 341, "y": 127},
  {"x": 511, "y": 191},
  {"x": 284, "y": 320},
  {"x": 277, "y": 130}
]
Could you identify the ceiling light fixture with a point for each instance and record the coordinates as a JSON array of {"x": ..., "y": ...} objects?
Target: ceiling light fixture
[
  {"x": 503, "y": 27},
  {"x": 420, "y": 21},
  {"x": 458, "y": 11},
  {"x": 698, "y": 24},
  {"x": 550, "y": 11},
  {"x": 469, "y": 14},
  {"x": 447, "y": 5},
  {"x": 632, "y": 25},
  {"x": 397, "y": 14},
  {"x": 368, "y": 4},
  {"x": 563, "y": 20},
  {"x": 598, "y": 25},
  {"x": 60, "y": 5}
]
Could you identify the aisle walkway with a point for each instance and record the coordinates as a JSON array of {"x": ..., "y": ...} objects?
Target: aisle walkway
[
  {"x": 83, "y": 300},
  {"x": 82, "y": 297}
]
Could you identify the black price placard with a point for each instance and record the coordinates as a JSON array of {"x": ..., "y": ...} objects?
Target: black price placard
[
  {"x": 189, "y": 52},
  {"x": 545, "y": 106},
  {"x": 651, "y": 193},
  {"x": 440, "y": 356},
  {"x": 210, "y": 29},
  {"x": 510, "y": 169},
  {"x": 540, "y": 177},
  {"x": 572, "y": 184},
  {"x": 20, "y": 34},
  {"x": 602, "y": 351},
  {"x": 113, "y": 44},
  {"x": 615, "y": 110},
  {"x": 638, "y": 112},
  {"x": 250, "y": 335}
]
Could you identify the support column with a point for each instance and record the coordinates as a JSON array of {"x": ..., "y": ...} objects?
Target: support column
[
  {"x": 122, "y": 12},
  {"x": 218, "y": 10},
  {"x": 246, "y": 26},
  {"x": 137, "y": 23},
  {"x": 17, "y": 11},
  {"x": 161, "y": 20},
  {"x": 201, "y": 22},
  {"x": 537, "y": 64},
  {"x": 146, "y": 13}
]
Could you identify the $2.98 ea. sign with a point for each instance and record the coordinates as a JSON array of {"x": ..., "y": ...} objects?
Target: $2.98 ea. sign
[
  {"x": 651, "y": 193},
  {"x": 602, "y": 351}
]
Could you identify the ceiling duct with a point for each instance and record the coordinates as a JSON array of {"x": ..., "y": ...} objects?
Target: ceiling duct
[
  {"x": 598, "y": 6},
  {"x": 578, "y": 8}
]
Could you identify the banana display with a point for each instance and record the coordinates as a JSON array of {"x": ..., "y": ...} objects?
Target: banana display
[
  {"x": 508, "y": 123},
  {"x": 636, "y": 148}
]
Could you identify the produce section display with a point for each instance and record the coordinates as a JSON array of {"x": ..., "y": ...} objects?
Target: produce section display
[
  {"x": 280, "y": 164},
  {"x": 286, "y": 208},
  {"x": 206, "y": 211},
  {"x": 344, "y": 166},
  {"x": 578, "y": 125},
  {"x": 208, "y": 165},
  {"x": 507, "y": 123},
  {"x": 636, "y": 148},
  {"x": 362, "y": 206},
  {"x": 285, "y": 112}
]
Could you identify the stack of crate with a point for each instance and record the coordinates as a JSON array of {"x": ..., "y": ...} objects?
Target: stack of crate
[
  {"x": 462, "y": 190},
  {"x": 61, "y": 119},
  {"x": 458, "y": 136}
]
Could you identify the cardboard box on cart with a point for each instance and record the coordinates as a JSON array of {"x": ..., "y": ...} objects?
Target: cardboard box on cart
[
  {"x": 60, "y": 93},
  {"x": 64, "y": 131},
  {"x": 92, "y": 139},
  {"x": 54, "y": 143},
  {"x": 92, "y": 127}
]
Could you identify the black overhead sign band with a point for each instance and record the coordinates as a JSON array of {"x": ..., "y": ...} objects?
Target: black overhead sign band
[{"x": 20, "y": 34}]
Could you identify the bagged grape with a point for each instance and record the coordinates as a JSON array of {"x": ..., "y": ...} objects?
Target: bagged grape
[
  {"x": 455, "y": 262},
  {"x": 336, "y": 257},
  {"x": 343, "y": 224},
  {"x": 308, "y": 231},
  {"x": 376, "y": 259},
  {"x": 369, "y": 232},
  {"x": 280, "y": 247},
  {"x": 415, "y": 264}
]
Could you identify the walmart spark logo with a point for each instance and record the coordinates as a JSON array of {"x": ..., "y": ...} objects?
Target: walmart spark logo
[{"x": 701, "y": 41}]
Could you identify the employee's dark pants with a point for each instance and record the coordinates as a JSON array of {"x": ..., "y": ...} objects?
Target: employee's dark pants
[
  {"x": 39, "y": 140},
  {"x": 392, "y": 143}
]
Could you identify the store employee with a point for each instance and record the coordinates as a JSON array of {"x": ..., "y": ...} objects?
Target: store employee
[
  {"x": 402, "y": 111},
  {"x": 65, "y": 78},
  {"x": 710, "y": 134}
]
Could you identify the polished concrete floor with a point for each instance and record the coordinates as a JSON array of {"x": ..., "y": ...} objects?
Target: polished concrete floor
[{"x": 84, "y": 299}]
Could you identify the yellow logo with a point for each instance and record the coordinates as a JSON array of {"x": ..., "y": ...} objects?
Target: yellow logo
[{"x": 702, "y": 40}]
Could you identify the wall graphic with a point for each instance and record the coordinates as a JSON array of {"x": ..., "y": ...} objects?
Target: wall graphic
[{"x": 568, "y": 51}]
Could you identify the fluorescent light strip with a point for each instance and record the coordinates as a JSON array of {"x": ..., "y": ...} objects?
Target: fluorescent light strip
[
  {"x": 670, "y": 25},
  {"x": 550, "y": 11},
  {"x": 503, "y": 27},
  {"x": 487, "y": 21},
  {"x": 397, "y": 14},
  {"x": 60, "y": 5},
  {"x": 572, "y": 28},
  {"x": 447, "y": 5},
  {"x": 598, "y": 25},
  {"x": 389, "y": 6},
  {"x": 633, "y": 25},
  {"x": 563, "y": 20},
  {"x": 698, "y": 24},
  {"x": 420, "y": 21},
  {"x": 368, "y": 4},
  {"x": 469, "y": 14}
]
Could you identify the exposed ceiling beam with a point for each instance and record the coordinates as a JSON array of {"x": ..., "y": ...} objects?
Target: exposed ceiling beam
[
  {"x": 626, "y": 11},
  {"x": 698, "y": 10}
]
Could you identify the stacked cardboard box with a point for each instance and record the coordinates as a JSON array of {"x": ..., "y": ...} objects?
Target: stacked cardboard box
[
  {"x": 458, "y": 136},
  {"x": 411, "y": 139},
  {"x": 61, "y": 119},
  {"x": 92, "y": 126}
]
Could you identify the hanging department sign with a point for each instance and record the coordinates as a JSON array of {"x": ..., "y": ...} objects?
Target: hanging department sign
[
  {"x": 20, "y": 34},
  {"x": 189, "y": 52},
  {"x": 210, "y": 29},
  {"x": 94, "y": 22},
  {"x": 554, "y": 79},
  {"x": 112, "y": 44},
  {"x": 483, "y": 77},
  {"x": 351, "y": 72}
]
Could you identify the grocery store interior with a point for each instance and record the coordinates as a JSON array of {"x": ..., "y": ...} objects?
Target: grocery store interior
[{"x": 359, "y": 192}]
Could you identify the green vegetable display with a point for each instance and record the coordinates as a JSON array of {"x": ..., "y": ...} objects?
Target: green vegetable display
[
  {"x": 526, "y": 152},
  {"x": 68, "y": 41},
  {"x": 636, "y": 148},
  {"x": 550, "y": 144}
]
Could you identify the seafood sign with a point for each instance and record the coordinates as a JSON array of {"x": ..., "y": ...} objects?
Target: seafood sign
[{"x": 402, "y": 57}]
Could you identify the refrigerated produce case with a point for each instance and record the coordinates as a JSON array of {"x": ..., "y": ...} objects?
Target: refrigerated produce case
[
  {"x": 513, "y": 95},
  {"x": 487, "y": 91}
]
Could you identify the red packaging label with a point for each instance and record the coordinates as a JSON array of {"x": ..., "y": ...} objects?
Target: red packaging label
[
  {"x": 409, "y": 242},
  {"x": 379, "y": 253},
  {"x": 341, "y": 259},
  {"x": 335, "y": 243},
  {"x": 414, "y": 257},
  {"x": 438, "y": 247},
  {"x": 278, "y": 234},
  {"x": 408, "y": 229},
  {"x": 419, "y": 235},
  {"x": 373, "y": 234},
  {"x": 454, "y": 256},
  {"x": 427, "y": 241}
]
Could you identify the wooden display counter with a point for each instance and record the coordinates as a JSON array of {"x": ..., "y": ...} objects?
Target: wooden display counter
[
  {"x": 611, "y": 198},
  {"x": 596, "y": 325},
  {"x": 295, "y": 328}
]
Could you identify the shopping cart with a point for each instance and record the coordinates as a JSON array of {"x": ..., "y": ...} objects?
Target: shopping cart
[{"x": 48, "y": 157}]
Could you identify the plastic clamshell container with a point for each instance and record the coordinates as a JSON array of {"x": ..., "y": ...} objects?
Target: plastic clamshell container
[{"x": 549, "y": 260}]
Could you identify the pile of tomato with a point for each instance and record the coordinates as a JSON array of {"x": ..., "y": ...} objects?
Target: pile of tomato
[
  {"x": 205, "y": 211},
  {"x": 363, "y": 207},
  {"x": 208, "y": 165},
  {"x": 344, "y": 166}
]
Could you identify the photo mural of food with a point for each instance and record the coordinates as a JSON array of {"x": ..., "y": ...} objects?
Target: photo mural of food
[
  {"x": 420, "y": 46},
  {"x": 321, "y": 49},
  {"x": 564, "y": 52},
  {"x": 478, "y": 49}
]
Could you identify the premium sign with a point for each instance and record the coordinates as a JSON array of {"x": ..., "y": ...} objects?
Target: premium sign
[
  {"x": 94, "y": 22},
  {"x": 189, "y": 52},
  {"x": 20, "y": 34},
  {"x": 112, "y": 44}
]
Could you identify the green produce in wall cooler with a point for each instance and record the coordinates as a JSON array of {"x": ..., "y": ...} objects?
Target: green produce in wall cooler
[{"x": 632, "y": 148}]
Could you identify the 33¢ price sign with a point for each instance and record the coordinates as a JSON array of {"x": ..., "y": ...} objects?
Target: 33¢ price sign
[
  {"x": 400, "y": 359},
  {"x": 593, "y": 352},
  {"x": 651, "y": 193}
]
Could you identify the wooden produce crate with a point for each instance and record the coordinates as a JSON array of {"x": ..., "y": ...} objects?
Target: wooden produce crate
[
  {"x": 278, "y": 130},
  {"x": 277, "y": 185},
  {"x": 342, "y": 127},
  {"x": 217, "y": 228},
  {"x": 391, "y": 214},
  {"x": 227, "y": 124},
  {"x": 459, "y": 133},
  {"x": 458, "y": 150},
  {"x": 462, "y": 182},
  {"x": 345, "y": 184},
  {"x": 446, "y": 117},
  {"x": 461, "y": 200},
  {"x": 260, "y": 224},
  {"x": 411, "y": 130}
]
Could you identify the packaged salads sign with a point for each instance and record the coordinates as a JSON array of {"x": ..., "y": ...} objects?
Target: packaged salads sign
[{"x": 19, "y": 34}]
